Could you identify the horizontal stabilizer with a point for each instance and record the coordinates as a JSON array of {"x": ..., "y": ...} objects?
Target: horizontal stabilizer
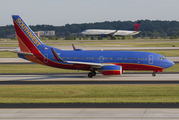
[{"x": 22, "y": 53}]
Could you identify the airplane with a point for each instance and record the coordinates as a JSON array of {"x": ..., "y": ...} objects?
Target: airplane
[
  {"x": 106, "y": 62},
  {"x": 105, "y": 33}
]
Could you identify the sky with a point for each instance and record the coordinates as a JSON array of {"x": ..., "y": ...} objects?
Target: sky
[{"x": 61, "y": 12}]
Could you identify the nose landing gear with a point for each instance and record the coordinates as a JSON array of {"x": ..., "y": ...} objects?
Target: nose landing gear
[{"x": 156, "y": 71}]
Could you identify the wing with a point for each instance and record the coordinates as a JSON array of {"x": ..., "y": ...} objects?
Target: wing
[{"x": 94, "y": 65}]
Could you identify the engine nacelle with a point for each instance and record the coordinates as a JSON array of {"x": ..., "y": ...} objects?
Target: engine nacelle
[{"x": 112, "y": 70}]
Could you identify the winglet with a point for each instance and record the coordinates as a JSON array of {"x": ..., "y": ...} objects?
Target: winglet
[
  {"x": 74, "y": 47},
  {"x": 57, "y": 57}
]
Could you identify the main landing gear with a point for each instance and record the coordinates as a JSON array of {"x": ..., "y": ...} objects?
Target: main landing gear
[
  {"x": 153, "y": 74},
  {"x": 91, "y": 74}
]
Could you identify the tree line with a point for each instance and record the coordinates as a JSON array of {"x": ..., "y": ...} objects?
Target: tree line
[{"x": 148, "y": 28}]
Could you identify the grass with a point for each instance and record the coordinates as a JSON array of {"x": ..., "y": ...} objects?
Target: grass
[
  {"x": 5, "y": 54},
  {"x": 37, "y": 68},
  {"x": 89, "y": 94}
]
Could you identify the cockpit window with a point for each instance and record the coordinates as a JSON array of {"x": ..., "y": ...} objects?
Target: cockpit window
[{"x": 162, "y": 58}]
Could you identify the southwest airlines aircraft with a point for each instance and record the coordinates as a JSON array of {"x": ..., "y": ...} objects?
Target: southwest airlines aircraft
[
  {"x": 106, "y": 62},
  {"x": 110, "y": 33}
]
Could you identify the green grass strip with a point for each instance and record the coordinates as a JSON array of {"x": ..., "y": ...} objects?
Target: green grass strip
[
  {"x": 89, "y": 94},
  {"x": 5, "y": 54}
]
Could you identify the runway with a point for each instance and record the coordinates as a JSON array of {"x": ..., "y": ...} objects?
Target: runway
[
  {"x": 82, "y": 78},
  {"x": 88, "y": 114}
]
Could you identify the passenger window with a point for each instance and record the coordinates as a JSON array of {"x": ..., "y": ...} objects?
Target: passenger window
[
  {"x": 140, "y": 58},
  {"x": 74, "y": 57}
]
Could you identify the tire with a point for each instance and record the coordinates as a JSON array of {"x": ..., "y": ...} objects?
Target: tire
[
  {"x": 153, "y": 74},
  {"x": 94, "y": 73},
  {"x": 90, "y": 74}
]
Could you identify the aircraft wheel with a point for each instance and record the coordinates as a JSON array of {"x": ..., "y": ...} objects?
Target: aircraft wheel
[
  {"x": 90, "y": 74},
  {"x": 94, "y": 73},
  {"x": 153, "y": 74}
]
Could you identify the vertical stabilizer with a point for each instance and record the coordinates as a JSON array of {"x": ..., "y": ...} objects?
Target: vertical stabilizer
[
  {"x": 28, "y": 41},
  {"x": 136, "y": 26}
]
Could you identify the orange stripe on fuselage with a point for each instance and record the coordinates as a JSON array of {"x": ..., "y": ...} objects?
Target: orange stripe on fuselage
[{"x": 133, "y": 66}]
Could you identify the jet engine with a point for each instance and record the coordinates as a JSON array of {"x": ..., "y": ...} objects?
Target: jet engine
[{"x": 112, "y": 70}]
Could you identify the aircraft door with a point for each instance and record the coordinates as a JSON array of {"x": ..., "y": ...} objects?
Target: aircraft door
[
  {"x": 45, "y": 58},
  {"x": 151, "y": 57},
  {"x": 101, "y": 59}
]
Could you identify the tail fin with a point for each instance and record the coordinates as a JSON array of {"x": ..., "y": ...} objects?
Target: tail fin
[
  {"x": 136, "y": 26},
  {"x": 28, "y": 41}
]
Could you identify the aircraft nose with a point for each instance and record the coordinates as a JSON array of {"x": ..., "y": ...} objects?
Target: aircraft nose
[
  {"x": 170, "y": 63},
  {"x": 82, "y": 32}
]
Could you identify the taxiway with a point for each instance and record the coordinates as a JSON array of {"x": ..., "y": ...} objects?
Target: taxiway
[
  {"x": 83, "y": 77},
  {"x": 88, "y": 114}
]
